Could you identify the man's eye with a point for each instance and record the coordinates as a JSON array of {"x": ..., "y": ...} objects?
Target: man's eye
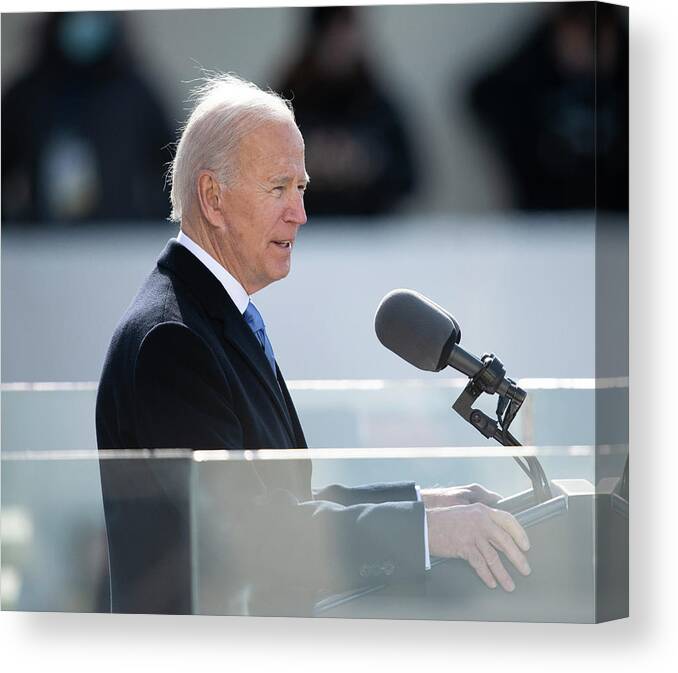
[
  {"x": 278, "y": 190},
  {"x": 302, "y": 188}
]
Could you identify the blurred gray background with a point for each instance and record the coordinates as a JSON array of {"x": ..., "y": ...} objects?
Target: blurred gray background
[
  {"x": 426, "y": 55},
  {"x": 517, "y": 274}
]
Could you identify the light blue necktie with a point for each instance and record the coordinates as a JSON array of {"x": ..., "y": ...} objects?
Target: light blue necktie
[{"x": 256, "y": 324}]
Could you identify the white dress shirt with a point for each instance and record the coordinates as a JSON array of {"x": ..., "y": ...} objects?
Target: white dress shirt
[
  {"x": 241, "y": 299},
  {"x": 235, "y": 290}
]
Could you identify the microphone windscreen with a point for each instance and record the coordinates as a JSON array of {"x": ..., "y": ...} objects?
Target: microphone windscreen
[{"x": 416, "y": 329}]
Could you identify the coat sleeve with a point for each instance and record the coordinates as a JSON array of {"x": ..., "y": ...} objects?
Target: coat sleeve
[
  {"x": 332, "y": 548},
  {"x": 372, "y": 493}
]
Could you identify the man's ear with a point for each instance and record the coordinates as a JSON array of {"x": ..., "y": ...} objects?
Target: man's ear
[{"x": 210, "y": 199}]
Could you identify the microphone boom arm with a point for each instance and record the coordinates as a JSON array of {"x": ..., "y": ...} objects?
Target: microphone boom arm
[{"x": 490, "y": 378}]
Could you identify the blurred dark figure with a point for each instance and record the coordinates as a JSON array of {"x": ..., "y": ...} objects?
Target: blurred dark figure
[
  {"x": 83, "y": 137},
  {"x": 560, "y": 97},
  {"x": 357, "y": 152}
]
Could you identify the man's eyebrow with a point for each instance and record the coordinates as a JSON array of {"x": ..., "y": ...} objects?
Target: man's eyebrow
[{"x": 285, "y": 179}]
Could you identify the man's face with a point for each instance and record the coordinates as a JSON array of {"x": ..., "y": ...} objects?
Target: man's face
[{"x": 264, "y": 207}]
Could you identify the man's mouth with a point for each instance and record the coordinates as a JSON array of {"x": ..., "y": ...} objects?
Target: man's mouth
[{"x": 284, "y": 244}]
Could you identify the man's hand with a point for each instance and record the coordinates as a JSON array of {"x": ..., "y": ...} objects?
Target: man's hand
[
  {"x": 458, "y": 495},
  {"x": 475, "y": 533}
]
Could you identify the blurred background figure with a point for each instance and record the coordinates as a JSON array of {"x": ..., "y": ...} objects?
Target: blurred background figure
[
  {"x": 539, "y": 106},
  {"x": 357, "y": 151},
  {"x": 83, "y": 136}
]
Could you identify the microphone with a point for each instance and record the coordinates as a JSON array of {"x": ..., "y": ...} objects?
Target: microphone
[{"x": 426, "y": 335}]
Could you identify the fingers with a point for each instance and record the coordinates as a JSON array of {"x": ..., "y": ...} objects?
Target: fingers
[
  {"x": 495, "y": 565},
  {"x": 477, "y": 533},
  {"x": 503, "y": 541},
  {"x": 490, "y": 497},
  {"x": 510, "y": 524},
  {"x": 479, "y": 564},
  {"x": 479, "y": 493}
]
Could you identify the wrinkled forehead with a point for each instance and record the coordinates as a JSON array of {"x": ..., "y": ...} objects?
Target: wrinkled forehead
[{"x": 273, "y": 144}]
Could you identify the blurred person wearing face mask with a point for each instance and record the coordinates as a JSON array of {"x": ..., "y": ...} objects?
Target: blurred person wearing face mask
[
  {"x": 84, "y": 136},
  {"x": 357, "y": 148},
  {"x": 556, "y": 111}
]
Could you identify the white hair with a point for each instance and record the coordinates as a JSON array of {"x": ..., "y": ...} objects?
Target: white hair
[{"x": 226, "y": 108}]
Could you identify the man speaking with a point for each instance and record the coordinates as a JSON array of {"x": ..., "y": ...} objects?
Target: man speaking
[{"x": 190, "y": 365}]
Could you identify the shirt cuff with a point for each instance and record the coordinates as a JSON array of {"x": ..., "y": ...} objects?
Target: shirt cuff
[{"x": 427, "y": 557}]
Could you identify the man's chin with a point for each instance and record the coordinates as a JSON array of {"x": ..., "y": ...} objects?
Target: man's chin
[
  {"x": 284, "y": 273},
  {"x": 282, "y": 269},
  {"x": 275, "y": 274}
]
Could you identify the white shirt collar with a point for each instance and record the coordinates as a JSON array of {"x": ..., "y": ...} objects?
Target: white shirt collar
[{"x": 235, "y": 290}]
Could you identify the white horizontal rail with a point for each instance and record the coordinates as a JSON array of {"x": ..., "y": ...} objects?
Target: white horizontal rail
[
  {"x": 357, "y": 384},
  {"x": 387, "y": 453}
]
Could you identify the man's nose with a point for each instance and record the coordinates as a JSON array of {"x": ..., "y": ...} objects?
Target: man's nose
[{"x": 297, "y": 211}]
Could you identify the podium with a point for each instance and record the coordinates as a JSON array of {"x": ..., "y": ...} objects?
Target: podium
[
  {"x": 564, "y": 532},
  {"x": 578, "y": 556}
]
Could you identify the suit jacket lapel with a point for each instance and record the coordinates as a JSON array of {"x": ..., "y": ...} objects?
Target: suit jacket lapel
[
  {"x": 209, "y": 292},
  {"x": 300, "y": 439},
  {"x": 241, "y": 337}
]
